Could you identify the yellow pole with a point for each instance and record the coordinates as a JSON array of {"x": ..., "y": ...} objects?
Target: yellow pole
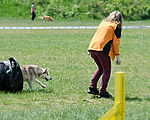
[
  {"x": 117, "y": 112},
  {"x": 120, "y": 94}
]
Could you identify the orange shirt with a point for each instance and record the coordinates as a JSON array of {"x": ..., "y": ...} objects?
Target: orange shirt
[{"x": 106, "y": 32}]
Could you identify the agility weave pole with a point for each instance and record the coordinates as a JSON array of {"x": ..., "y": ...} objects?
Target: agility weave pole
[{"x": 117, "y": 112}]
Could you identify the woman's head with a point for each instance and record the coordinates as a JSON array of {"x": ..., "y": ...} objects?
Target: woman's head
[
  {"x": 33, "y": 2},
  {"x": 116, "y": 17}
]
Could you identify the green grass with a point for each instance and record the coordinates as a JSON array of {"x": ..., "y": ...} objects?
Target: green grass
[{"x": 65, "y": 53}]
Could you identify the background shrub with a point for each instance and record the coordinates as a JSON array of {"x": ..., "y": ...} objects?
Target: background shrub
[{"x": 77, "y": 9}]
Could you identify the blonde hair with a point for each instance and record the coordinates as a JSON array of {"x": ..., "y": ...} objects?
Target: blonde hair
[{"x": 116, "y": 17}]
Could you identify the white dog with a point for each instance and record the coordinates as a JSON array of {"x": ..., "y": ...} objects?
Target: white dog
[{"x": 32, "y": 72}]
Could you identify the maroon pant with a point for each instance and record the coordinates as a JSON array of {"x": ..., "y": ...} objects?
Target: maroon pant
[{"x": 104, "y": 68}]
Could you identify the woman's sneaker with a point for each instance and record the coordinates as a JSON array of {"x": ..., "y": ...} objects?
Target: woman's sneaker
[
  {"x": 104, "y": 95},
  {"x": 93, "y": 91}
]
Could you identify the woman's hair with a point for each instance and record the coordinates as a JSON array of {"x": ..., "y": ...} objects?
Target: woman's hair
[{"x": 116, "y": 17}]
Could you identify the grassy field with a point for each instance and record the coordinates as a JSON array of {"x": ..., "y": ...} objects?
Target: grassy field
[{"x": 65, "y": 53}]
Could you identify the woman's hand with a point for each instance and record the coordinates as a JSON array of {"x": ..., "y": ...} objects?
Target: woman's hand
[{"x": 118, "y": 60}]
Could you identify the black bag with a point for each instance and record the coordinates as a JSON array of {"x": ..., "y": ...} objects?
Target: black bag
[{"x": 11, "y": 78}]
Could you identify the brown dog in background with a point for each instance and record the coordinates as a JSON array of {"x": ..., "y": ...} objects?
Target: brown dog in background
[{"x": 47, "y": 18}]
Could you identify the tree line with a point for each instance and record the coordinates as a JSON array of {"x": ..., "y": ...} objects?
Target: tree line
[{"x": 77, "y": 9}]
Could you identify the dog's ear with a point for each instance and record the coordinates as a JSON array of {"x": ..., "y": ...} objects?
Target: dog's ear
[{"x": 45, "y": 70}]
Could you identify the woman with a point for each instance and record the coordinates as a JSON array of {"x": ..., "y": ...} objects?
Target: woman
[
  {"x": 103, "y": 47},
  {"x": 33, "y": 11}
]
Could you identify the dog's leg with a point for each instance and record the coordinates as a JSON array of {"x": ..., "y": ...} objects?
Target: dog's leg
[
  {"x": 30, "y": 85},
  {"x": 37, "y": 81}
]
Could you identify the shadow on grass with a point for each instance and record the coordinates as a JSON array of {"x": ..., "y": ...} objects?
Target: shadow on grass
[
  {"x": 28, "y": 91},
  {"x": 127, "y": 98},
  {"x": 148, "y": 99},
  {"x": 137, "y": 99},
  {"x": 45, "y": 90},
  {"x": 133, "y": 99},
  {"x": 41, "y": 91},
  {"x": 96, "y": 97},
  {"x": 8, "y": 92}
]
